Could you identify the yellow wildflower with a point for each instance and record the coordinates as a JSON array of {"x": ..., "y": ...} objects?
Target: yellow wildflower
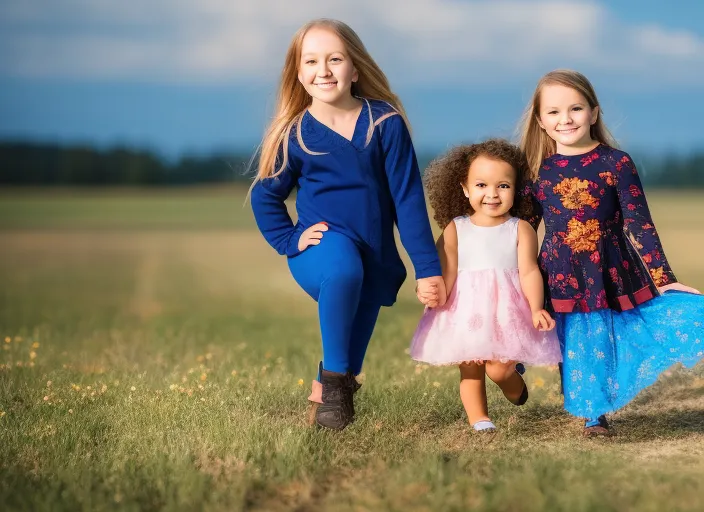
[
  {"x": 35, "y": 344},
  {"x": 300, "y": 382}
]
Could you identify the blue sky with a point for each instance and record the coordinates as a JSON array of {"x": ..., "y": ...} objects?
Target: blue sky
[{"x": 183, "y": 76}]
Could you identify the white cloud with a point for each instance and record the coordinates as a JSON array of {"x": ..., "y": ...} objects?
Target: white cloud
[
  {"x": 673, "y": 44},
  {"x": 418, "y": 41}
]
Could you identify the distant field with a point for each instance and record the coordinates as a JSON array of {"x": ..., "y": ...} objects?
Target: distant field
[{"x": 156, "y": 355}]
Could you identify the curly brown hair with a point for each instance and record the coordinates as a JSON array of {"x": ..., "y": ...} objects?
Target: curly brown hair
[{"x": 445, "y": 175}]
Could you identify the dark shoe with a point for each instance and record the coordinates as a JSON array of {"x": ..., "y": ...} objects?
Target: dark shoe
[
  {"x": 336, "y": 411},
  {"x": 353, "y": 386},
  {"x": 602, "y": 429}
]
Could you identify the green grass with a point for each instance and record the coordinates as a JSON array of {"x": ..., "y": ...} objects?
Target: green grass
[
  {"x": 156, "y": 356},
  {"x": 125, "y": 209}
]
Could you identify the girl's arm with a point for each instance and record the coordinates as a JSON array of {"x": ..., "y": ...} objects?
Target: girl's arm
[
  {"x": 638, "y": 223},
  {"x": 447, "y": 250},
  {"x": 529, "y": 274},
  {"x": 270, "y": 212},
  {"x": 406, "y": 189}
]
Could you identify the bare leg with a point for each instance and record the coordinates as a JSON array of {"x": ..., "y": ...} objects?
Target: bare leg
[
  {"x": 507, "y": 378},
  {"x": 473, "y": 392}
]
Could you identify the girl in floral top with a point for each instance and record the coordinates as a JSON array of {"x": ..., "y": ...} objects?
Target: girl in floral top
[{"x": 604, "y": 266}]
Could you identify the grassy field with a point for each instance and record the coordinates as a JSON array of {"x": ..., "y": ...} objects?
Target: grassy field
[{"x": 156, "y": 355}]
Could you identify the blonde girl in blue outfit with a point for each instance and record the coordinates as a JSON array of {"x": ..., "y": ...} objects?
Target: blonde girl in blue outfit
[{"x": 340, "y": 138}]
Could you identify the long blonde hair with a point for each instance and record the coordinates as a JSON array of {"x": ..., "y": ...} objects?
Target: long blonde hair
[
  {"x": 533, "y": 140},
  {"x": 293, "y": 100}
]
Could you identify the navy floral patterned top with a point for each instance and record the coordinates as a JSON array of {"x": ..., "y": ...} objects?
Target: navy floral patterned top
[{"x": 601, "y": 249}]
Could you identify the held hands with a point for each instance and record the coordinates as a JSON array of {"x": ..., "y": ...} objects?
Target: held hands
[
  {"x": 431, "y": 291},
  {"x": 678, "y": 287},
  {"x": 543, "y": 321},
  {"x": 312, "y": 235}
]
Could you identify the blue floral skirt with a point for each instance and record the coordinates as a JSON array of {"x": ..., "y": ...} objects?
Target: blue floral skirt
[{"x": 610, "y": 356}]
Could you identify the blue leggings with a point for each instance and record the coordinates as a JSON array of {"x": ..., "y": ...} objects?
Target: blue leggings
[{"x": 333, "y": 274}]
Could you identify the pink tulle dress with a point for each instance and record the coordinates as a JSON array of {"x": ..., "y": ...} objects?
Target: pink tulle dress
[{"x": 486, "y": 316}]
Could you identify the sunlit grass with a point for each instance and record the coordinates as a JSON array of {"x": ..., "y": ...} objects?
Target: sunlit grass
[{"x": 168, "y": 369}]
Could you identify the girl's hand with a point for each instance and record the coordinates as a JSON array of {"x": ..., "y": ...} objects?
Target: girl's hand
[
  {"x": 312, "y": 235},
  {"x": 543, "y": 321},
  {"x": 431, "y": 291},
  {"x": 678, "y": 287}
]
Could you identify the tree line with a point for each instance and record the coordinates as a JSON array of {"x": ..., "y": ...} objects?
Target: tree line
[{"x": 51, "y": 164}]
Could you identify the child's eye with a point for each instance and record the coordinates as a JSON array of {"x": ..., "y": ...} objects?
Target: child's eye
[
  {"x": 336, "y": 59},
  {"x": 577, "y": 109},
  {"x": 505, "y": 185},
  {"x": 480, "y": 185},
  {"x": 552, "y": 112},
  {"x": 310, "y": 62}
]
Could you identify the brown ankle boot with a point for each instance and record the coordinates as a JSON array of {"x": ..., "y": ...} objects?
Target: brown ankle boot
[
  {"x": 353, "y": 388},
  {"x": 336, "y": 410}
]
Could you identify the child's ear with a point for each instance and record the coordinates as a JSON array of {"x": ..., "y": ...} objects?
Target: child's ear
[
  {"x": 465, "y": 190},
  {"x": 595, "y": 115}
]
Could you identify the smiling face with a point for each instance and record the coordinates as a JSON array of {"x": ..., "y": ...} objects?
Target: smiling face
[
  {"x": 490, "y": 187},
  {"x": 567, "y": 118},
  {"x": 325, "y": 70}
]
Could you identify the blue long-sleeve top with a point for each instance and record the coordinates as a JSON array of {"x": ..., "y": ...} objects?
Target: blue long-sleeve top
[{"x": 361, "y": 189}]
